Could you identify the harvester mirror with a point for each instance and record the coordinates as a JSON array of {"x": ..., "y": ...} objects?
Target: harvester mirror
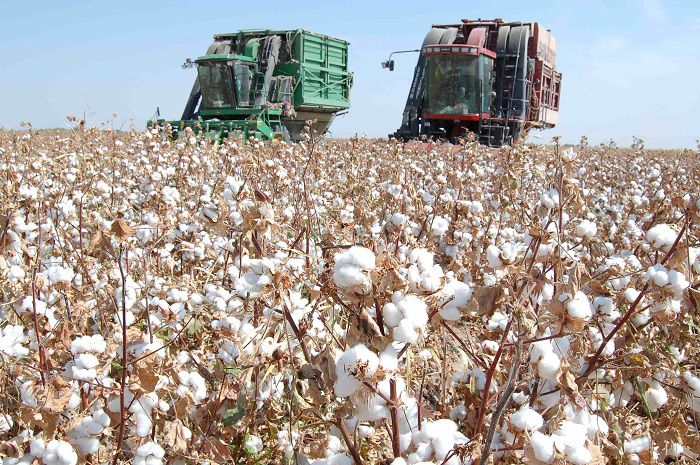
[
  {"x": 388, "y": 64},
  {"x": 188, "y": 63}
]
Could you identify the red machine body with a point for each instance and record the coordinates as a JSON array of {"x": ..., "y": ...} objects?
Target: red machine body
[{"x": 489, "y": 77}]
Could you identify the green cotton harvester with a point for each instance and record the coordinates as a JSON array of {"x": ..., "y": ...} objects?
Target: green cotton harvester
[{"x": 266, "y": 84}]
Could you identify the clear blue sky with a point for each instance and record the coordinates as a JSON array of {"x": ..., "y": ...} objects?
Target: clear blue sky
[{"x": 631, "y": 67}]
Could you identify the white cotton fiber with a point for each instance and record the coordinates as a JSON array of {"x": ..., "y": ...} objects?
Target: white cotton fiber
[
  {"x": 571, "y": 434},
  {"x": 577, "y": 306},
  {"x": 661, "y": 236},
  {"x": 11, "y": 339},
  {"x": 578, "y": 455},
  {"x": 351, "y": 270},
  {"x": 526, "y": 419},
  {"x": 414, "y": 310},
  {"x": 149, "y": 453},
  {"x": 586, "y": 229},
  {"x": 95, "y": 343},
  {"x": 405, "y": 332},
  {"x": 350, "y": 363},
  {"x": 392, "y": 315},
  {"x": 594, "y": 424},
  {"x": 543, "y": 447},
  {"x": 59, "y": 453},
  {"x": 548, "y": 366},
  {"x": 657, "y": 396},
  {"x": 456, "y": 296},
  {"x": 407, "y": 315}
]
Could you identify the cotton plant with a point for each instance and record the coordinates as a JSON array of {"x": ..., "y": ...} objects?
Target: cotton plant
[{"x": 319, "y": 280}]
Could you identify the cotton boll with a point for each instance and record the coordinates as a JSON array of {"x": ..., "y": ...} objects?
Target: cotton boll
[
  {"x": 193, "y": 385},
  {"x": 253, "y": 444},
  {"x": 546, "y": 294},
  {"x": 637, "y": 444},
  {"x": 550, "y": 198},
  {"x": 490, "y": 346},
  {"x": 598, "y": 339},
  {"x": 543, "y": 447},
  {"x": 12, "y": 338},
  {"x": 677, "y": 283},
  {"x": 538, "y": 349},
  {"x": 84, "y": 433},
  {"x": 605, "y": 307},
  {"x": 442, "y": 434},
  {"x": 578, "y": 455},
  {"x": 6, "y": 423},
  {"x": 149, "y": 453},
  {"x": 458, "y": 413},
  {"x": 142, "y": 409},
  {"x": 577, "y": 306},
  {"x": 351, "y": 367},
  {"x": 571, "y": 434},
  {"x": 388, "y": 359},
  {"x": 526, "y": 419},
  {"x": 349, "y": 276},
  {"x": 37, "y": 447},
  {"x": 658, "y": 274},
  {"x": 59, "y": 274},
  {"x": 692, "y": 390},
  {"x": 586, "y": 229},
  {"x": 351, "y": 270},
  {"x": 493, "y": 255},
  {"x": 398, "y": 219},
  {"x": 95, "y": 343},
  {"x": 568, "y": 154},
  {"x": 490, "y": 279},
  {"x": 675, "y": 450},
  {"x": 392, "y": 315},
  {"x": 414, "y": 310},
  {"x": 59, "y": 452},
  {"x": 15, "y": 273},
  {"x": 423, "y": 453},
  {"x": 360, "y": 257},
  {"x": 657, "y": 396},
  {"x": 661, "y": 236},
  {"x": 548, "y": 366},
  {"x": 594, "y": 424},
  {"x": 520, "y": 397},
  {"x": 439, "y": 226},
  {"x": 84, "y": 368},
  {"x": 631, "y": 295},
  {"x": 497, "y": 320},
  {"x": 456, "y": 296},
  {"x": 405, "y": 332},
  {"x": 423, "y": 274}
]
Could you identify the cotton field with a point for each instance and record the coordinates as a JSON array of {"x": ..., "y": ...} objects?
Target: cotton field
[{"x": 337, "y": 302}]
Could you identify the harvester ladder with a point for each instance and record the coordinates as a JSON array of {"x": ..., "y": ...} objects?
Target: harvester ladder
[{"x": 268, "y": 61}]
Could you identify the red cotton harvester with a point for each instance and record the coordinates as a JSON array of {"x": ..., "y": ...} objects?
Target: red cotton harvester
[{"x": 495, "y": 79}]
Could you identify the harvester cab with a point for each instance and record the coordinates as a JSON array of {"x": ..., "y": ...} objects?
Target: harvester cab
[{"x": 266, "y": 84}]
